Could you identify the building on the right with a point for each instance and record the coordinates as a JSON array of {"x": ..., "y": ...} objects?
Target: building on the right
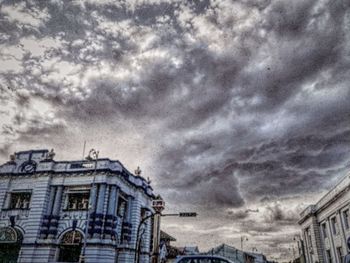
[{"x": 326, "y": 226}]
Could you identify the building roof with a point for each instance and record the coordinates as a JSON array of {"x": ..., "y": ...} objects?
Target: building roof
[
  {"x": 40, "y": 161},
  {"x": 338, "y": 190},
  {"x": 165, "y": 236}
]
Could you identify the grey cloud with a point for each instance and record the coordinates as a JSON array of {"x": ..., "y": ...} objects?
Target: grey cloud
[
  {"x": 243, "y": 106},
  {"x": 253, "y": 228},
  {"x": 5, "y": 150},
  {"x": 276, "y": 212},
  {"x": 240, "y": 214}
]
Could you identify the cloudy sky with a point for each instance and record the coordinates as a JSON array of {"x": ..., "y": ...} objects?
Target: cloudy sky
[{"x": 239, "y": 110}]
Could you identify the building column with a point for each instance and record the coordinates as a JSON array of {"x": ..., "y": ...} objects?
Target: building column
[
  {"x": 129, "y": 209},
  {"x": 318, "y": 251},
  {"x": 135, "y": 219},
  {"x": 58, "y": 200},
  {"x": 51, "y": 199},
  {"x": 46, "y": 220},
  {"x": 99, "y": 210},
  {"x": 127, "y": 222},
  {"x": 92, "y": 209},
  {"x": 306, "y": 247},
  {"x": 55, "y": 212},
  {"x": 93, "y": 194},
  {"x": 109, "y": 220},
  {"x": 330, "y": 232},
  {"x": 115, "y": 215},
  {"x": 342, "y": 231},
  {"x": 112, "y": 200},
  {"x": 7, "y": 200}
]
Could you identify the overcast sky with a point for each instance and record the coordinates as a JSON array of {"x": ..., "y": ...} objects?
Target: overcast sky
[{"x": 228, "y": 106}]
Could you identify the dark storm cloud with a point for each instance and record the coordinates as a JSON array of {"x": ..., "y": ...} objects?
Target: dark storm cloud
[
  {"x": 251, "y": 227},
  {"x": 244, "y": 100},
  {"x": 276, "y": 212},
  {"x": 240, "y": 214},
  {"x": 300, "y": 48}
]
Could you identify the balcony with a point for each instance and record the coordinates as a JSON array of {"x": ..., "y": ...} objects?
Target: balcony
[{"x": 18, "y": 213}]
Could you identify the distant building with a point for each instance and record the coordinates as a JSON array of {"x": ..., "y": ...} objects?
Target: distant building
[
  {"x": 258, "y": 258},
  {"x": 189, "y": 250},
  {"x": 165, "y": 238},
  {"x": 167, "y": 251},
  {"x": 237, "y": 255},
  {"x": 44, "y": 208},
  {"x": 326, "y": 226}
]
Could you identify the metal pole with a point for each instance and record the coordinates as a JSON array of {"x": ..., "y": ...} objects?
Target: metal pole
[
  {"x": 82, "y": 256},
  {"x": 156, "y": 238},
  {"x": 137, "y": 247}
]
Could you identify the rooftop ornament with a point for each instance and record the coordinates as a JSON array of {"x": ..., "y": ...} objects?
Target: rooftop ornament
[
  {"x": 12, "y": 158},
  {"x": 50, "y": 155},
  {"x": 138, "y": 171},
  {"x": 93, "y": 155}
]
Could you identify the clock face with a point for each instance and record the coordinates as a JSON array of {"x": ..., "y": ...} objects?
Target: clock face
[{"x": 28, "y": 167}]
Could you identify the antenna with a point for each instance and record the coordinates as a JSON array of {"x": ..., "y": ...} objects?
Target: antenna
[{"x": 84, "y": 150}]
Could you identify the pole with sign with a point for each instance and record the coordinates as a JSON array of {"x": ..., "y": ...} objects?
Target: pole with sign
[
  {"x": 188, "y": 214},
  {"x": 158, "y": 206}
]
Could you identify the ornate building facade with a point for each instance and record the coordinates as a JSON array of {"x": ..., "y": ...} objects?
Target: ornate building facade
[
  {"x": 46, "y": 204},
  {"x": 326, "y": 226}
]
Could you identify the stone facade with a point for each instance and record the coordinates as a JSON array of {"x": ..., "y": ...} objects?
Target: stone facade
[
  {"x": 325, "y": 225},
  {"x": 47, "y": 202}
]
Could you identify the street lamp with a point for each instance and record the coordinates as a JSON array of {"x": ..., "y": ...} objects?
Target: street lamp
[
  {"x": 157, "y": 206},
  {"x": 93, "y": 156}
]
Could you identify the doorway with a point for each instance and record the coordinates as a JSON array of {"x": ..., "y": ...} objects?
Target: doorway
[
  {"x": 10, "y": 244},
  {"x": 70, "y": 246}
]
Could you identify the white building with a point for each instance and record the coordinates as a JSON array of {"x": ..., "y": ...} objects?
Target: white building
[
  {"x": 325, "y": 225},
  {"x": 44, "y": 208},
  {"x": 237, "y": 255}
]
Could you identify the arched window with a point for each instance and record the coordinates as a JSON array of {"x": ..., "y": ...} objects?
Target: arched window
[
  {"x": 10, "y": 244},
  {"x": 70, "y": 246}
]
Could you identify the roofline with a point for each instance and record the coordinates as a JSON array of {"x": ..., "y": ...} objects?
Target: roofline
[
  {"x": 145, "y": 186},
  {"x": 33, "y": 151},
  {"x": 318, "y": 206}
]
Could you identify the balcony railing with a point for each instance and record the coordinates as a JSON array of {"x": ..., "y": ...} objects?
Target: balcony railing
[{"x": 19, "y": 213}]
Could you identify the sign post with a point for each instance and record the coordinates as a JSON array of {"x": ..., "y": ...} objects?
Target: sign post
[
  {"x": 187, "y": 214},
  {"x": 158, "y": 206}
]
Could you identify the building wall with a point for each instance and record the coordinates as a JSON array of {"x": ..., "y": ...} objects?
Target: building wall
[
  {"x": 47, "y": 220},
  {"x": 326, "y": 243}
]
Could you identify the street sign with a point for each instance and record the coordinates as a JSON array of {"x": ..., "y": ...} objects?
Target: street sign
[
  {"x": 188, "y": 214},
  {"x": 158, "y": 204}
]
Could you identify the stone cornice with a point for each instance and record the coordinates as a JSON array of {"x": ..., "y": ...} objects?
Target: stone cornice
[{"x": 43, "y": 167}]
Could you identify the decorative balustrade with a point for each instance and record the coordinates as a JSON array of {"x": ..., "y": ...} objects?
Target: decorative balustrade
[{"x": 19, "y": 213}]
